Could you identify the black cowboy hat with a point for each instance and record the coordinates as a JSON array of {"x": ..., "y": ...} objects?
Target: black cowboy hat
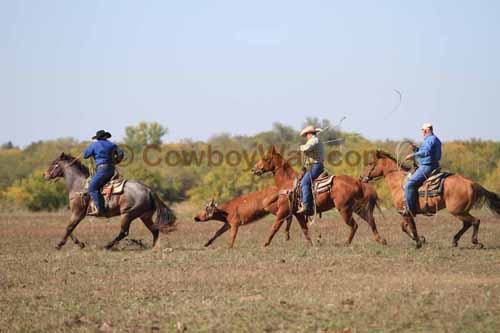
[{"x": 101, "y": 134}]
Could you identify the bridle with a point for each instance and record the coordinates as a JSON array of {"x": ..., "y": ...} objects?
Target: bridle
[
  {"x": 368, "y": 177},
  {"x": 64, "y": 167},
  {"x": 273, "y": 171}
]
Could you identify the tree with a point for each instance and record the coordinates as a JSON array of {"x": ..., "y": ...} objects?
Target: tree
[
  {"x": 8, "y": 145},
  {"x": 144, "y": 134},
  {"x": 35, "y": 194}
]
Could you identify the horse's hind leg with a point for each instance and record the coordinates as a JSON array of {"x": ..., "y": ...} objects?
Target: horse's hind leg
[
  {"x": 349, "y": 220},
  {"x": 125, "y": 226},
  {"x": 468, "y": 221},
  {"x": 147, "y": 219},
  {"x": 367, "y": 215}
]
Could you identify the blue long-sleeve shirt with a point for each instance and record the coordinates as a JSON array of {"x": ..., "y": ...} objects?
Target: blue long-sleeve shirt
[
  {"x": 429, "y": 153},
  {"x": 102, "y": 151}
]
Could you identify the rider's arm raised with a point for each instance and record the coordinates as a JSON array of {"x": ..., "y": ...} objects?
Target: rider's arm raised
[
  {"x": 309, "y": 144},
  {"x": 89, "y": 151}
]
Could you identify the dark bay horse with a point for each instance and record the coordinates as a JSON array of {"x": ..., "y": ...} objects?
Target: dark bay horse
[
  {"x": 348, "y": 195},
  {"x": 136, "y": 201},
  {"x": 243, "y": 210},
  {"x": 459, "y": 196}
]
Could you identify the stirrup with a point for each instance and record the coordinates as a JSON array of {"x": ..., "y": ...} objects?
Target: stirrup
[
  {"x": 406, "y": 212},
  {"x": 305, "y": 210},
  {"x": 93, "y": 211}
]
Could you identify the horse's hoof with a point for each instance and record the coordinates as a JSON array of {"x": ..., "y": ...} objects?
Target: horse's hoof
[
  {"x": 58, "y": 246},
  {"x": 81, "y": 245},
  {"x": 419, "y": 245},
  {"x": 108, "y": 247},
  {"x": 422, "y": 239},
  {"x": 454, "y": 244},
  {"x": 265, "y": 245},
  {"x": 478, "y": 245}
]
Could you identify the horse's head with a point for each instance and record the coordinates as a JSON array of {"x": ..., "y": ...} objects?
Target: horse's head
[
  {"x": 56, "y": 168},
  {"x": 208, "y": 213},
  {"x": 269, "y": 163},
  {"x": 376, "y": 168}
]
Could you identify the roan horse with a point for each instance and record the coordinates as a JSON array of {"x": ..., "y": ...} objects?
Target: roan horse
[
  {"x": 136, "y": 201},
  {"x": 459, "y": 196},
  {"x": 347, "y": 194},
  {"x": 246, "y": 209}
]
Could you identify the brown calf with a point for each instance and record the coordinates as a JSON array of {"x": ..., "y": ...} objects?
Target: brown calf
[{"x": 243, "y": 210}]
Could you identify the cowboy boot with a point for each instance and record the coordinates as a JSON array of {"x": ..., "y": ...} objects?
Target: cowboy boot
[{"x": 306, "y": 210}]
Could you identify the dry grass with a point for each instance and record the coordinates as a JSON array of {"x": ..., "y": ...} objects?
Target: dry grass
[{"x": 287, "y": 287}]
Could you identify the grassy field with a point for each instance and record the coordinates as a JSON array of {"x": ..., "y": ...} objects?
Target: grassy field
[{"x": 287, "y": 287}]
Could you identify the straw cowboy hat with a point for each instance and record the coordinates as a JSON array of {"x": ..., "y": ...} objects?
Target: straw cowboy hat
[
  {"x": 101, "y": 134},
  {"x": 310, "y": 129},
  {"x": 427, "y": 126}
]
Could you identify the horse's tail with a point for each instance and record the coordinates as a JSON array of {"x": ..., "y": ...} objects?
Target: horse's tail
[
  {"x": 165, "y": 217},
  {"x": 491, "y": 199}
]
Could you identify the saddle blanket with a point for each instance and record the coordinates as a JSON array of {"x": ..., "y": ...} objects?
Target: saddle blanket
[{"x": 433, "y": 186}]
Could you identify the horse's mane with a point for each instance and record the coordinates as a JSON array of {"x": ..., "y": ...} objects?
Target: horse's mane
[
  {"x": 384, "y": 154},
  {"x": 285, "y": 162},
  {"x": 381, "y": 153},
  {"x": 75, "y": 162}
]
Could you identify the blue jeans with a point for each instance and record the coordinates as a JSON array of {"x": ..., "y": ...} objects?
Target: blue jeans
[
  {"x": 306, "y": 183},
  {"x": 416, "y": 180},
  {"x": 102, "y": 175}
]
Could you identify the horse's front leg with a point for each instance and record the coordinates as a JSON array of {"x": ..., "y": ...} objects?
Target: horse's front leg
[
  {"x": 225, "y": 227},
  {"x": 77, "y": 241},
  {"x": 413, "y": 227},
  {"x": 303, "y": 225},
  {"x": 280, "y": 218},
  {"x": 287, "y": 228},
  {"x": 75, "y": 219}
]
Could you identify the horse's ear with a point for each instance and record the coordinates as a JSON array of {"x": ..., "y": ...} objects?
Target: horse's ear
[
  {"x": 272, "y": 150},
  {"x": 211, "y": 202},
  {"x": 62, "y": 155},
  {"x": 378, "y": 153}
]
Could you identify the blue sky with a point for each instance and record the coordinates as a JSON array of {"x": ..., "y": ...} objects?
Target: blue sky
[{"x": 200, "y": 68}]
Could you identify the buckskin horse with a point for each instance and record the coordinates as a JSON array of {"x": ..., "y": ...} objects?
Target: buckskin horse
[
  {"x": 347, "y": 194},
  {"x": 459, "y": 195},
  {"x": 246, "y": 209},
  {"x": 136, "y": 201}
]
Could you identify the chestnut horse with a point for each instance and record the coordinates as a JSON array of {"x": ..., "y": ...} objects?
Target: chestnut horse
[
  {"x": 243, "y": 210},
  {"x": 136, "y": 201},
  {"x": 459, "y": 196},
  {"x": 347, "y": 194}
]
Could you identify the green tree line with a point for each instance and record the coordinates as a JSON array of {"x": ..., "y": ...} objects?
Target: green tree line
[{"x": 195, "y": 171}]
